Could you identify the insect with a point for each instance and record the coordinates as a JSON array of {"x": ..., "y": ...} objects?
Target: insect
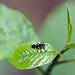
[{"x": 39, "y": 46}]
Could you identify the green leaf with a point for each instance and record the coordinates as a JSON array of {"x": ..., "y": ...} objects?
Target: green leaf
[
  {"x": 71, "y": 45},
  {"x": 15, "y": 29},
  {"x": 70, "y": 30},
  {"x": 25, "y": 57}
]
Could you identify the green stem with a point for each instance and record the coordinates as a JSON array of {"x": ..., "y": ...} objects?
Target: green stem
[
  {"x": 65, "y": 61},
  {"x": 55, "y": 61}
]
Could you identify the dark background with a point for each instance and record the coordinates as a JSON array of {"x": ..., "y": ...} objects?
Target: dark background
[{"x": 35, "y": 11}]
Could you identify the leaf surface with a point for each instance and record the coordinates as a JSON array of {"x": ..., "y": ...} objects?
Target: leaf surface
[
  {"x": 70, "y": 29},
  {"x": 26, "y": 57},
  {"x": 71, "y": 45}
]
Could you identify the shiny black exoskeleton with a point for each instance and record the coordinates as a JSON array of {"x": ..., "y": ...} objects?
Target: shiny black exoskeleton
[{"x": 39, "y": 46}]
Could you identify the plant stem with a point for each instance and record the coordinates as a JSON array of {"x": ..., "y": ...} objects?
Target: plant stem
[
  {"x": 48, "y": 72},
  {"x": 56, "y": 60},
  {"x": 66, "y": 48},
  {"x": 65, "y": 61}
]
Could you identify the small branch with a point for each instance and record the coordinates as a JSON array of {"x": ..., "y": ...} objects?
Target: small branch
[
  {"x": 55, "y": 61},
  {"x": 62, "y": 52},
  {"x": 48, "y": 72},
  {"x": 41, "y": 70},
  {"x": 58, "y": 53},
  {"x": 65, "y": 61},
  {"x": 66, "y": 48}
]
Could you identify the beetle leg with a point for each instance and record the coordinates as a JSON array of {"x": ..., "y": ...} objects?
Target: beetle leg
[
  {"x": 37, "y": 50},
  {"x": 44, "y": 49},
  {"x": 40, "y": 50}
]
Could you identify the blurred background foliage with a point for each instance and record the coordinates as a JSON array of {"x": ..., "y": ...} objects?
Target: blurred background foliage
[
  {"x": 15, "y": 29},
  {"x": 53, "y": 30}
]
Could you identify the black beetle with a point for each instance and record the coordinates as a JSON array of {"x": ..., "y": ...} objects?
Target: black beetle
[{"x": 39, "y": 46}]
